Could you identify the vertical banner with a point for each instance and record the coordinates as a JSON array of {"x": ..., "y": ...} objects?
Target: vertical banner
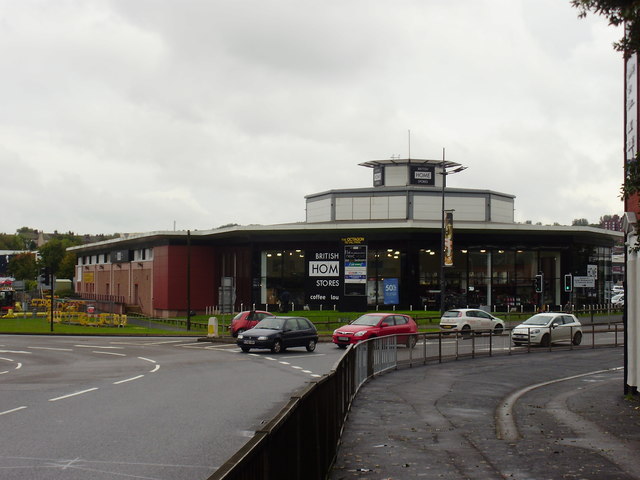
[
  {"x": 391, "y": 296},
  {"x": 355, "y": 269},
  {"x": 448, "y": 239}
]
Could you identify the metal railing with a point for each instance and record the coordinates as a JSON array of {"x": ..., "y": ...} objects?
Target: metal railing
[{"x": 302, "y": 440}]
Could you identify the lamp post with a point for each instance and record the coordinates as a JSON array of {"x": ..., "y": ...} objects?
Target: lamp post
[{"x": 447, "y": 168}]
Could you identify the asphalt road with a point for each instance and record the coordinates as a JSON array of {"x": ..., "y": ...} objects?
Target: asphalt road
[{"x": 145, "y": 408}]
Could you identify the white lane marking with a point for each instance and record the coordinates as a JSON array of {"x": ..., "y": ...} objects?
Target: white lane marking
[
  {"x": 52, "y": 348},
  {"x": 6, "y": 371},
  {"x": 506, "y": 428},
  {"x": 12, "y": 410},
  {"x": 128, "y": 380},
  {"x": 73, "y": 394},
  {"x": 147, "y": 359},
  {"x": 7, "y": 359},
  {"x": 19, "y": 366},
  {"x": 155, "y": 369},
  {"x": 306, "y": 371},
  {"x": 297, "y": 368},
  {"x": 110, "y": 353},
  {"x": 315, "y": 375},
  {"x": 15, "y": 351},
  {"x": 284, "y": 363},
  {"x": 99, "y": 346}
]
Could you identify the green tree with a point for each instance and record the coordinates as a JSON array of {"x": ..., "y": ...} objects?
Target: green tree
[
  {"x": 51, "y": 255},
  {"x": 68, "y": 266},
  {"x": 10, "y": 242},
  {"x": 23, "y": 266},
  {"x": 580, "y": 222},
  {"x": 617, "y": 12}
]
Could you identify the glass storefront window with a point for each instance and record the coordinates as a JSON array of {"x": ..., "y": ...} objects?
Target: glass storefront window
[
  {"x": 479, "y": 276},
  {"x": 382, "y": 263},
  {"x": 283, "y": 273}
]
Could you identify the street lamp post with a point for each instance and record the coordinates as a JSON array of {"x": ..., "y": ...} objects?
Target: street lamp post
[{"x": 455, "y": 168}]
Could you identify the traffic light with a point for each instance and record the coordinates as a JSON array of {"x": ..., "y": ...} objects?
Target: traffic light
[
  {"x": 568, "y": 282},
  {"x": 539, "y": 283}
]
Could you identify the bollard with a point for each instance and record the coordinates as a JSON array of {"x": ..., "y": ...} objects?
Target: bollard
[{"x": 213, "y": 327}]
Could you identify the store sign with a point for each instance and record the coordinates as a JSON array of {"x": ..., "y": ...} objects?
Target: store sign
[
  {"x": 378, "y": 176},
  {"x": 584, "y": 282},
  {"x": 355, "y": 269},
  {"x": 391, "y": 293},
  {"x": 422, "y": 175},
  {"x": 323, "y": 277}
]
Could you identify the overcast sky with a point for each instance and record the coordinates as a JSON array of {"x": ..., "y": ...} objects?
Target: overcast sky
[{"x": 138, "y": 115}]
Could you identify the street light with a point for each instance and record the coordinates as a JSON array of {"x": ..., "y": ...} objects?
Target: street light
[{"x": 447, "y": 168}]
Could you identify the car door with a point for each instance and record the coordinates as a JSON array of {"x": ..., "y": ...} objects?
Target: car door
[
  {"x": 290, "y": 332},
  {"x": 401, "y": 327},
  {"x": 485, "y": 321},
  {"x": 558, "y": 330}
]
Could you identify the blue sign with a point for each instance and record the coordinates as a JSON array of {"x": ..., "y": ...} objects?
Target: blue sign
[{"x": 391, "y": 295}]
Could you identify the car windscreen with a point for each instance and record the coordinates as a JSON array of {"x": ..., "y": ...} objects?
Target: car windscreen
[
  {"x": 370, "y": 320},
  {"x": 451, "y": 314},
  {"x": 537, "y": 320},
  {"x": 271, "y": 323}
]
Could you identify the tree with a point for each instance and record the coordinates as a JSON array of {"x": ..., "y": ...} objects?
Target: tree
[
  {"x": 51, "y": 255},
  {"x": 618, "y": 12},
  {"x": 23, "y": 266},
  {"x": 580, "y": 222},
  {"x": 68, "y": 266}
]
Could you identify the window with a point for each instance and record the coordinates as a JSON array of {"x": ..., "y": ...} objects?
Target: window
[{"x": 401, "y": 320}]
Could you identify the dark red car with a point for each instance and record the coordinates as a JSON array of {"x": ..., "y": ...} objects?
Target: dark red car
[
  {"x": 372, "y": 325},
  {"x": 246, "y": 320}
]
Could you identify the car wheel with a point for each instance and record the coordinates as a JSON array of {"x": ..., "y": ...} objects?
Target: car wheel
[
  {"x": 311, "y": 346},
  {"x": 277, "y": 346},
  {"x": 245, "y": 349},
  {"x": 411, "y": 341},
  {"x": 498, "y": 330},
  {"x": 545, "y": 341},
  {"x": 466, "y": 331},
  {"x": 577, "y": 338}
]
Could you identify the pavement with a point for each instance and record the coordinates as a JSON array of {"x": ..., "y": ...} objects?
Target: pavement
[{"x": 544, "y": 415}]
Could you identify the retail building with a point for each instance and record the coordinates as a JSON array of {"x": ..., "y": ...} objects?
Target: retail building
[{"x": 377, "y": 247}]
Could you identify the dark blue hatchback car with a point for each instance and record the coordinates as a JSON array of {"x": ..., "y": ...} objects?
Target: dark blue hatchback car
[{"x": 280, "y": 333}]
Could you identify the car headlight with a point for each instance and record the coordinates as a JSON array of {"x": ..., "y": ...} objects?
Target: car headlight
[
  {"x": 535, "y": 331},
  {"x": 263, "y": 338},
  {"x": 240, "y": 336},
  {"x": 360, "y": 333},
  {"x": 335, "y": 332}
]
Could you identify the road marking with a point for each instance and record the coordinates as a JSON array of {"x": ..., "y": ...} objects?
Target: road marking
[
  {"x": 12, "y": 410},
  {"x": 73, "y": 394},
  {"x": 15, "y": 351},
  {"x": 111, "y": 353},
  {"x": 155, "y": 369},
  {"x": 7, "y": 359},
  {"x": 147, "y": 359},
  {"x": 284, "y": 363},
  {"x": 53, "y": 348},
  {"x": 296, "y": 367},
  {"x": 6, "y": 371},
  {"x": 128, "y": 380},
  {"x": 506, "y": 428},
  {"x": 98, "y": 346},
  {"x": 306, "y": 371}
]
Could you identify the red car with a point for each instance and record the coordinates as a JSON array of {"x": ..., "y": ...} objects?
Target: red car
[
  {"x": 246, "y": 320},
  {"x": 372, "y": 325}
]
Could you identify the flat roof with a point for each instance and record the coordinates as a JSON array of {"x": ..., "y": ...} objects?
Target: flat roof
[{"x": 409, "y": 161}]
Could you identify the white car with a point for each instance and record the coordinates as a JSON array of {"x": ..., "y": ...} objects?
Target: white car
[
  {"x": 618, "y": 300},
  {"x": 617, "y": 289},
  {"x": 465, "y": 320},
  {"x": 546, "y": 328}
]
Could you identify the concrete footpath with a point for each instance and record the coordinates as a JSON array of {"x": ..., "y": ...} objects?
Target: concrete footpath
[{"x": 545, "y": 415}]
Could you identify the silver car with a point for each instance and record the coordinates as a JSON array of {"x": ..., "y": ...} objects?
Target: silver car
[
  {"x": 546, "y": 328},
  {"x": 466, "y": 320}
]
